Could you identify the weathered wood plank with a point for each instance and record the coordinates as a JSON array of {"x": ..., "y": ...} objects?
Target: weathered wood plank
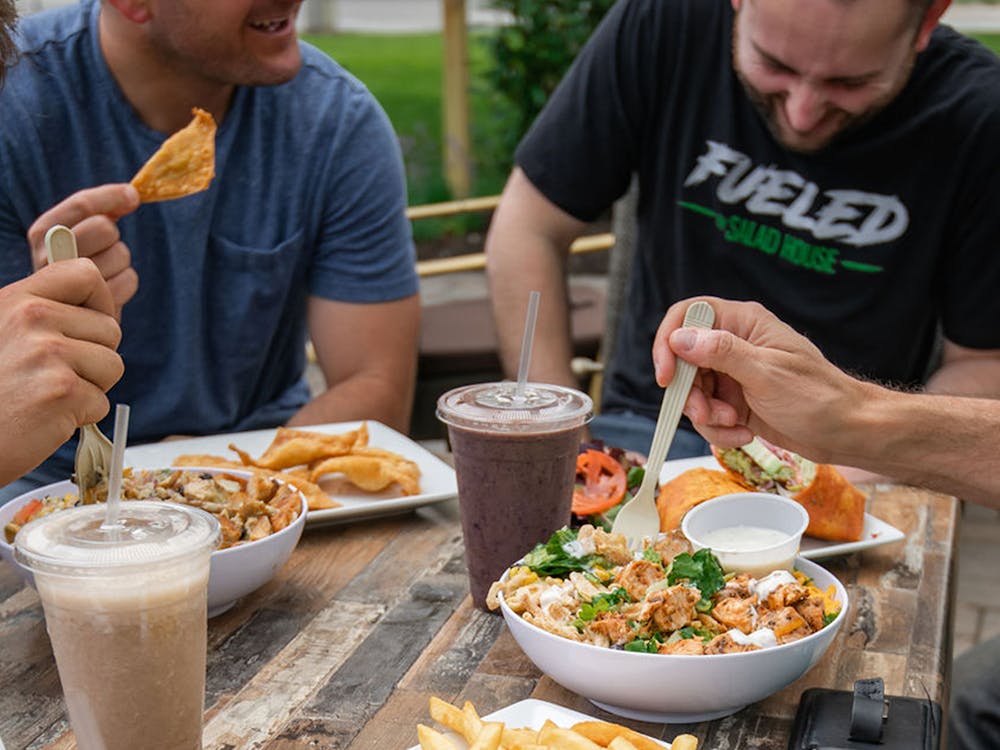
[{"x": 290, "y": 678}]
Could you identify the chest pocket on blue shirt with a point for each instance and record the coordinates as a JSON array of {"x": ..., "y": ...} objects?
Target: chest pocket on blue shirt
[{"x": 257, "y": 308}]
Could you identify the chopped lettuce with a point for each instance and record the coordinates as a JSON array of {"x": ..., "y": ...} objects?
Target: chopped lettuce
[
  {"x": 600, "y": 603},
  {"x": 551, "y": 558},
  {"x": 701, "y": 570}
]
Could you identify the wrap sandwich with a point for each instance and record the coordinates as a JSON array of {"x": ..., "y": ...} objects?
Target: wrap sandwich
[
  {"x": 836, "y": 508},
  {"x": 687, "y": 490}
]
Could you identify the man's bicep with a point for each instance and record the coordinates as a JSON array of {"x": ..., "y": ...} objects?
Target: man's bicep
[
  {"x": 524, "y": 205},
  {"x": 378, "y": 338},
  {"x": 966, "y": 371}
]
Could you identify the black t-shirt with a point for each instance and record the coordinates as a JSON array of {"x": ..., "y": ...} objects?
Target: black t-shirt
[{"x": 869, "y": 247}]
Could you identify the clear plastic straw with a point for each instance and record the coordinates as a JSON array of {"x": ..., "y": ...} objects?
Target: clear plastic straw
[
  {"x": 115, "y": 470},
  {"x": 526, "y": 343}
]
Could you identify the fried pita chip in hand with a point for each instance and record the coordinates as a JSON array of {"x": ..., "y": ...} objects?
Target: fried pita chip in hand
[{"x": 183, "y": 165}]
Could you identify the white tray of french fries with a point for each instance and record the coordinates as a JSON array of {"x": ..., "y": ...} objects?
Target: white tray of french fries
[{"x": 531, "y": 725}]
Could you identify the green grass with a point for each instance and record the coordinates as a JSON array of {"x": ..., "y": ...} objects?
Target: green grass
[
  {"x": 990, "y": 40},
  {"x": 404, "y": 74}
]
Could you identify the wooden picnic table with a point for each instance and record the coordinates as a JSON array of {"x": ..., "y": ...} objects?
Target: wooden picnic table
[{"x": 368, "y": 620}]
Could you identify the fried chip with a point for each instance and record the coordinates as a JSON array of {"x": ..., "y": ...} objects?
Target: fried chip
[
  {"x": 297, "y": 447},
  {"x": 316, "y": 498},
  {"x": 370, "y": 473},
  {"x": 183, "y": 165}
]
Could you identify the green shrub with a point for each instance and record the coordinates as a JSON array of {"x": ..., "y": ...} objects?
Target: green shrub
[{"x": 531, "y": 55}]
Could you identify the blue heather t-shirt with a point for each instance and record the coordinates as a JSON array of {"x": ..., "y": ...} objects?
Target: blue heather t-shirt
[{"x": 309, "y": 198}]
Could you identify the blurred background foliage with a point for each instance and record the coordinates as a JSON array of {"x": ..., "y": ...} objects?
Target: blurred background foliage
[
  {"x": 531, "y": 54},
  {"x": 512, "y": 69}
]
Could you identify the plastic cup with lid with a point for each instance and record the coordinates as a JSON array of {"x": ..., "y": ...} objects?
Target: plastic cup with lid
[
  {"x": 126, "y": 612},
  {"x": 515, "y": 460}
]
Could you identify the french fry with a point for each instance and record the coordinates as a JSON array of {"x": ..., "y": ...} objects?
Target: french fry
[
  {"x": 489, "y": 736},
  {"x": 603, "y": 732},
  {"x": 518, "y": 737},
  {"x": 472, "y": 725},
  {"x": 684, "y": 742},
  {"x": 448, "y": 715},
  {"x": 433, "y": 740},
  {"x": 559, "y": 738}
]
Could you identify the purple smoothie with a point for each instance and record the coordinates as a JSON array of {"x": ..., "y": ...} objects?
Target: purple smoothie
[
  {"x": 514, "y": 491},
  {"x": 515, "y": 461}
]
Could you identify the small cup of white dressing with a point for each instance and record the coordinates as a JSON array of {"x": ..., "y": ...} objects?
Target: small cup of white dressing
[{"x": 750, "y": 532}]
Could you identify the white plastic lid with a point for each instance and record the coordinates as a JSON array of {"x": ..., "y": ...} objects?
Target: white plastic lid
[
  {"x": 495, "y": 406},
  {"x": 73, "y": 542}
]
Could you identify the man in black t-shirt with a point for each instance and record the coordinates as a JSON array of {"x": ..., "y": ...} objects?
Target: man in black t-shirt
[{"x": 836, "y": 160}]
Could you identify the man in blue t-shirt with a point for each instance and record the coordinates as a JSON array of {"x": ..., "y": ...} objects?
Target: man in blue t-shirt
[{"x": 302, "y": 231}]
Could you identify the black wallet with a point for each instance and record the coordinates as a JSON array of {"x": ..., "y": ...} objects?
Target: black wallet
[{"x": 866, "y": 719}]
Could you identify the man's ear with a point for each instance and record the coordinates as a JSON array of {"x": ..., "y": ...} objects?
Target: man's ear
[
  {"x": 931, "y": 18},
  {"x": 136, "y": 11}
]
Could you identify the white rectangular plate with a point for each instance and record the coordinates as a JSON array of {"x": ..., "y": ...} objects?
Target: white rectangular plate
[
  {"x": 437, "y": 479},
  {"x": 875, "y": 532},
  {"x": 530, "y": 714}
]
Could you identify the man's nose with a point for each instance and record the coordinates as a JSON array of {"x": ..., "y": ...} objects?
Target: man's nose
[{"x": 805, "y": 106}]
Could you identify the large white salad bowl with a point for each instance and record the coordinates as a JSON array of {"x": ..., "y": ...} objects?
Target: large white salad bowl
[{"x": 676, "y": 688}]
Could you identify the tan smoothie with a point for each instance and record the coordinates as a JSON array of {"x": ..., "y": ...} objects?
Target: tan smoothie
[
  {"x": 129, "y": 661},
  {"x": 126, "y": 611}
]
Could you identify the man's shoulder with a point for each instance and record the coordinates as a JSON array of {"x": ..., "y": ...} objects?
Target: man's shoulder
[
  {"x": 680, "y": 12},
  {"x": 954, "y": 59},
  {"x": 47, "y": 29}
]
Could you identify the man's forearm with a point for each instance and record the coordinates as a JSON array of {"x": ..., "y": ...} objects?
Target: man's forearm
[{"x": 947, "y": 443}]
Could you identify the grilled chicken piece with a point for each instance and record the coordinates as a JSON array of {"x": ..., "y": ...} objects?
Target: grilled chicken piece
[
  {"x": 688, "y": 646},
  {"x": 672, "y": 544},
  {"x": 811, "y": 609},
  {"x": 638, "y": 576},
  {"x": 613, "y": 626},
  {"x": 786, "y": 594},
  {"x": 737, "y": 613},
  {"x": 787, "y": 624},
  {"x": 670, "y": 608},
  {"x": 724, "y": 644}
]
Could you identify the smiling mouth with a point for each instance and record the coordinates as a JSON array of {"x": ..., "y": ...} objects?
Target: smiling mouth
[{"x": 270, "y": 26}]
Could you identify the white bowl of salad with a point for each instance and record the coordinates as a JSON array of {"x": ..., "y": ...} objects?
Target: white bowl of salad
[
  {"x": 262, "y": 520},
  {"x": 663, "y": 634}
]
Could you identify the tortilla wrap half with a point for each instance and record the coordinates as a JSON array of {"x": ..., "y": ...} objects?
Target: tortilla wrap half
[
  {"x": 687, "y": 490},
  {"x": 836, "y": 507}
]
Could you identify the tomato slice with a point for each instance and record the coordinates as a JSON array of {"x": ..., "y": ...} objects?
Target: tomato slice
[
  {"x": 27, "y": 512},
  {"x": 601, "y": 483}
]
